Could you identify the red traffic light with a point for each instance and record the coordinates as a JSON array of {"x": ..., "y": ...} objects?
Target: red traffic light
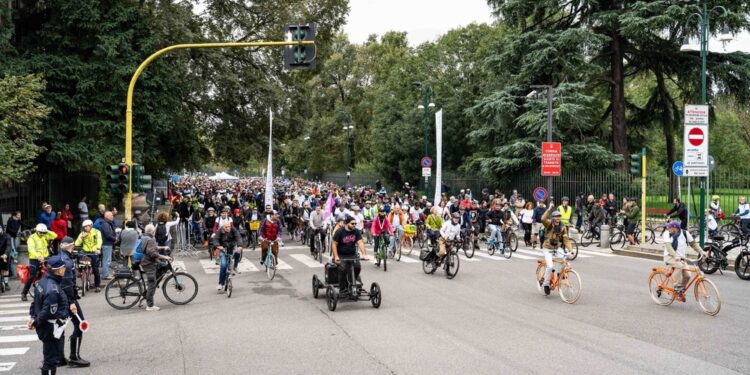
[{"x": 124, "y": 169}]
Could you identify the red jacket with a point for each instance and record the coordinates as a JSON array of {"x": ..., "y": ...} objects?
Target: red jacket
[
  {"x": 60, "y": 227},
  {"x": 270, "y": 230},
  {"x": 67, "y": 215}
]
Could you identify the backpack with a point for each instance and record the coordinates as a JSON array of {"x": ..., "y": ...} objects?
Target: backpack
[
  {"x": 138, "y": 254},
  {"x": 161, "y": 233}
]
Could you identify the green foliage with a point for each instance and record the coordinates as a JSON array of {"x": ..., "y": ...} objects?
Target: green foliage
[{"x": 21, "y": 117}]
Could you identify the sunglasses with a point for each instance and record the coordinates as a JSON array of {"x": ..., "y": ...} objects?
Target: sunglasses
[{"x": 351, "y": 223}]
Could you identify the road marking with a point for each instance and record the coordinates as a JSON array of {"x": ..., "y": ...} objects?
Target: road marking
[
  {"x": 539, "y": 254},
  {"x": 18, "y": 338},
  {"x": 281, "y": 265},
  {"x": 524, "y": 257},
  {"x": 487, "y": 256},
  {"x": 406, "y": 259},
  {"x": 9, "y": 312},
  {"x": 246, "y": 265},
  {"x": 6, "y": 366},
  {"x": 595, "y": 253},
  {"x": 179, "y": 264},
  {"x": 13, "y": 351},
  {"x": 9, "y": 305},
  {"x": 210, "y": 267},
  {"x": 306, "y": 260},
  {"x": 6, "y": 319},
  {"x": 13, "y": 328},
  {"x": 10, "y": 296}
]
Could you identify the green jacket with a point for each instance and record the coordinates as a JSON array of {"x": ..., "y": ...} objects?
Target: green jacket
[{"x": 633, "y": 215}]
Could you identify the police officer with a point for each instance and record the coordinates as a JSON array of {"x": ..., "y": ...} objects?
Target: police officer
[
  {"x": 69, "y": 287},
  {"x": 48, "y": 314}
]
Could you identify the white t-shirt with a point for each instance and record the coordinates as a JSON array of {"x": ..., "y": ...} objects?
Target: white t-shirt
[
  {"x": 396, "y": 220},
  {"x": 360, "y": 221},
  {"x": 682, "y": 244},
  {"x": 744, "y": 208},
  {"x": 527, "y": 216},
  {"x": 83, "y": 210}
]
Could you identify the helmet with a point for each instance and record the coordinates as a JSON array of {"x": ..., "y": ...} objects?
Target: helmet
[
  {"x": 87, "y": 223},
  {"x": 211, "y": 209},
  {"x": 236, "y": 210},
  {"x": 355, "y": 208},
  {"x": 556, "y": 214},
  {"x": 225, "y": 209},
  {"x": 41, "y": 228},
  {"x": 672, "y": 224},
  {"x": 715, "y": 198}
]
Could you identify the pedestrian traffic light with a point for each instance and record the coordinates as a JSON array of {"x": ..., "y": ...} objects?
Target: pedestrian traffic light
[
  {"x": 123, "y": 178},
  {"x": 299, "y": 56},
  {"x": 635, "y": 164}
]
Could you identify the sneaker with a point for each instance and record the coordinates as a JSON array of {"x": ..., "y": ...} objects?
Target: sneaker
[
  {"x": 220, "y": 287},
  {"x": 546, "y": 290},
  {"x": 24, "y": 298},
  {"x": 377, "y": 264},
  {"x": 97, "y": 290},
  {"x": 153, "y": 308}
]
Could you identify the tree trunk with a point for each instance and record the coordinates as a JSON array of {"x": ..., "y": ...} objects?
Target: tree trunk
[
  {"x": 668, "y": 128},
  {"x": 619, "y": 135}
]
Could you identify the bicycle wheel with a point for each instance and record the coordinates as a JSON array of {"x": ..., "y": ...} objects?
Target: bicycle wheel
[
  {"x": 710, "y": 263},
  {"x": 318, "y": 249},
  {"x": 421, "y": 240},
  {"x": 180, "y": 288},
  {"x": 512, "y": 242},
  {"x": 123, "y": 293},
  {"x": 315, "y": 286},
  {"x": 615, "y": 239},
  {"x": 656, "y": 284},
  {"x": 332, "y": 298},
  {"x": 385, "y": 263},
  {"x": 707, "y": 296},
  {"x": 428, "y": 265},
  {"x": 469, "y": 247},
  {"x": 270, "y": 267},
  {"x": 407, "y": 245},
  {"x": 84, "y": 285},
  {"x": 540, "y": 268},
  {"x": 587, "y": 239},
  {"x": 742, "y": 265},
  {"x": 452, "y": 264},
  {"x": 731, "y": 231},
  {"x": 570, "y": 286},
  {"x": 375, "y": 295},
  {"x": 574, "y": 250},
  {"x": 650, "y": 236},
  {"x": 228, "y": 287}
]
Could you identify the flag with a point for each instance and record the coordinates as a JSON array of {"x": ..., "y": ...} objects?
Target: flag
[
  {"x": 269, "y": 176},
  {"x": 329, "y": 206},
  {"x": 438, "y": 156}
]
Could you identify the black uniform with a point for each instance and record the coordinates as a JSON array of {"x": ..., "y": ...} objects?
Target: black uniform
[
  {"x": 49, "y": 309},
  {"x": 69, "y": 287}
]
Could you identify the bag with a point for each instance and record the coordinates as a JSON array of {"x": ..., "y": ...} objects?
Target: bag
[
  {"x": 424, "y": 254},
  {"x": 161, "y": 233},
  {"x": 22, "y": 270},
  {"x": 332, "y": 273},
  {"x": 541, "y": 235},
  {"x": 138, "y": 253},
  {"x": 122, "y": 272}
]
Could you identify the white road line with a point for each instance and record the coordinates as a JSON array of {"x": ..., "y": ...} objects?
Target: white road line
[
  {"x": 246, "y": 265},
  {"x": 487, "y": 256},
  {"x": 13, "y": 328},
  {"x": 307, "y": 260},
  {"x": 538, "y": 254},
  {"x": 10, "y": 312},
  {"x": 595, "y": 253},
  {"x": 9, "y": 297},
  {"x": 6, "y": 319},
  {"x": 18, "y": 338},
  {"x": 283, "y": 265},
  {"x": 11, "y": 305},
  {"x": 524, "y": 257},
  {"x": 179, "y": 264},
  {"x": 407, "y": 259},
  {"x": 6, "y": 366},
  {"x": 210, "y": 267},
  {"x": 13, "y": 351}
]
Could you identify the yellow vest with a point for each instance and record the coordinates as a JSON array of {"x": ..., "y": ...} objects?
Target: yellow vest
[
  {"x": 37, "y": 245},
  {"x": 91, "y": 243},
  {"x": 565, "y": 215}
]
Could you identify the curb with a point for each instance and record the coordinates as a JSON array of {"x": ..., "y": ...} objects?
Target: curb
[{"x": 650, "y": 253}]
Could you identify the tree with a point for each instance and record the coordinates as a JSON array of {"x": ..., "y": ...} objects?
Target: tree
[{"x": 21, "y": 116}]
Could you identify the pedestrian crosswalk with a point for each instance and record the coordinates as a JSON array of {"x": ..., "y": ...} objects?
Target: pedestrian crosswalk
[{"x": 14, "y": 336}]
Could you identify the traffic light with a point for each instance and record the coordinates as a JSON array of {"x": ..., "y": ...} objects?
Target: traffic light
[
  {"x": 113, "y": 177},
  {"x": 141, "y": 181},
  {"x": 123, "y": 178},
  {"x": 299, "y": 56},
  {"x": 635, "y": 164}
]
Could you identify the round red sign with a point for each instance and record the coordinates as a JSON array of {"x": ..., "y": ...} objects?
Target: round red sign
[{"x": 696, "y": 136}]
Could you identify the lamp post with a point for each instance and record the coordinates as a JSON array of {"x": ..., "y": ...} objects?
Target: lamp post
[
  {"x": 550, "y": 97},
  {"x": 348, "y": 128},
  {"x": 703, "y": 15},
  {"x": 307, "y": 159},
  {"x": 426, "y": 105}
]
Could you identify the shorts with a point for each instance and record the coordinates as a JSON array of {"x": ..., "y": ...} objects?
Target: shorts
[
  {"x": 535, "y": 228},
  {"x": 630, "y": 229}
]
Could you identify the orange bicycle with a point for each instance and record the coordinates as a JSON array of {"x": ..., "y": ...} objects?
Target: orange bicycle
[
  {"x": 661, "y": 289},
  {"x": 566, "y": 279}
]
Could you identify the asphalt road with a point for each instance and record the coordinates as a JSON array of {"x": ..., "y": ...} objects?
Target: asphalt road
[{"x": 490, "y": 319}]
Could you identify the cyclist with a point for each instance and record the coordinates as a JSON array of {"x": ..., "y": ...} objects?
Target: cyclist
[
  {"x": 495, "y": 221},
  {"x": 473, "y": 212},
  {"x": 37, "y": 247},
  {"x": 398, "y": 221},
  {"x": 450, "y": 231},
  {"x": 208, "y": 224},
  {"x": 596, "y": 218},
  {"x": 226, "y": 241},
  {"x": 317, "y": 227},
  {"x": 743, "y": 211},
  {"x": 344, "y": 245},
  {"x": 537, "y": 225},
  {"x": 632, "y": 215},
  {"x": 679, "y": 210},
  {"x": 676, "y": 241},
  {"x": 90, "y": 240},
  {"x": 381, "y": 226},
  {"x": 433, "y": 224},
  {"x": 359, "y": 218},
  {"x": 270, "y": 231},
  {"x": 714, "y": 215},
  {"x": 555, "y": 236},
  {"x": 149, "y": 264}
]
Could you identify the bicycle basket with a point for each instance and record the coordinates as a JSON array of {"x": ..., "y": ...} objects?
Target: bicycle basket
[
  {"x": 410, "y": 230},
  {"x": 123, "y": 272},
  {"x": 255, "y": 225}
]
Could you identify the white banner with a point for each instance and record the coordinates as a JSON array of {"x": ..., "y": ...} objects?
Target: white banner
[
  {"x": 269, "y": 176},
  {"x": 438, "y": 156}
]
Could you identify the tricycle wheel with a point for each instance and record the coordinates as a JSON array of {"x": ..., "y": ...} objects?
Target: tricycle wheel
[
  {"x": 375, "y": 296},
  {"x": 315, "y": 286},
  {"x": 332, "y": 298}
]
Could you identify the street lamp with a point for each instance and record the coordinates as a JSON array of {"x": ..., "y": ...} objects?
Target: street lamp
[
  {"x": 348, "y": 128},
  {"x": 425, "y": 106},
  {"x": 535, "y": 95},
  {"x": 307, "y": 159},
  {"x": 703, "y": 15}
]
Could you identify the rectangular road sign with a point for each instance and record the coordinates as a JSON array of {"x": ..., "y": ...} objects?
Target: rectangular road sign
[
  {"x": 695, "y": 141},
  {"x": 551, "y": 159},
  {"x": 426, "y": 172}
]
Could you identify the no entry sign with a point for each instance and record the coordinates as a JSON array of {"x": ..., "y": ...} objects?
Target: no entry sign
[{"x": 695, "y": 142}]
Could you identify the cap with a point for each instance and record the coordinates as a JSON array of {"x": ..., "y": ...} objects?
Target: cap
[
  {"x": 87, "y": 223},
  {"x": 66, "y": 240},
  {"x": 41, "y": 228},
  {"x": 672, "y": 224},
  {"x": 556, "y": 214},
  {"x": 55, "y": 262},
  {"x": 565, "y": 199},
  {"x": 715, "y": 198}
]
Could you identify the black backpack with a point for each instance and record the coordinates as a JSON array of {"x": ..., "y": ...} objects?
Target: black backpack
[{"x": 161, "y": 233}]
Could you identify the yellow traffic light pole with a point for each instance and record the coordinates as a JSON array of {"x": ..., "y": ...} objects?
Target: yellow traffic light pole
[{"x": 131, "y": 88}]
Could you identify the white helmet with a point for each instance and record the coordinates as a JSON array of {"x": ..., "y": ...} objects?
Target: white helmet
[
  {"x": 87, "y": 223},
  {"x": 41, "y": 228}
]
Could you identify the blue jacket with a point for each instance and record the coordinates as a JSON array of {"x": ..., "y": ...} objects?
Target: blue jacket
[
  {"x": 538, "y": 212},
  {"x": 46, "y": 218},
  {"x": 68, "y": 282},
  {"x": 108, "y": 232},
  {"x": 49, "y": 303}
]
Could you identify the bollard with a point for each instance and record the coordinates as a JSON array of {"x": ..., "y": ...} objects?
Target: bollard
[{"x": 604, "y": 240}]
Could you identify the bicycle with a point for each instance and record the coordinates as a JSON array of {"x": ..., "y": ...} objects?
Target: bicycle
[
  {"x": 469, "y": 237},
  {"x": 84, "y": 273},
  {"x": 317, "y": 246},
  {"x": 662, "y": 291},
  {"x": 228, "y": 281},
  {"x": 450, "y": 261},
  {"x": 126, "y": 290},
  {"x": 591, "y": 234},
  {"x": 507, "y": 250},
  {"x": 421, "y": 235},
  {"x": 407, "y": 240},
  {"x": 353, "y": 291},
  {"x": 380, "y": 255},
  {"x": 40, "y": 273},
  {"x": 269, "y": 263},
  {"x": 566, "y": 279}
]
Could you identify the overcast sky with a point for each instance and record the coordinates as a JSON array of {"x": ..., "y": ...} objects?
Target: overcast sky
[{"x": 426, "y": 20}]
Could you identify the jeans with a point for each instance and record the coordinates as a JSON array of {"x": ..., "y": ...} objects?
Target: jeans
[
  {"x": 34, "y": 267},
  {"x": 579, "y": 219},
  {"x": 399, "y": 234},
  {"x": 225, "y": 260},
  {"x": 197, "y": 230},
  {"x": 745, "y": 226},
  {"x": 548, "y": 255},
  {"x": 344, "y": 270},
  {"x": 433, "y": 235},
  {"x": 496, "y": 237},
  {"x": 318, "y": 232},
  {"x": 106, "y": 259}
]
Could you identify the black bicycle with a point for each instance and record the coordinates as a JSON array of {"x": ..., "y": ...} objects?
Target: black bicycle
[
  {"x": 450, "y": 262},
  {"x": 126, "y": 290}
]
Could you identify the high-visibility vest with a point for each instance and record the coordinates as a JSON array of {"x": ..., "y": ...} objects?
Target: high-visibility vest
[
  {"x": 565, "y": 215},
  {"x": 37, "y": 245}
]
